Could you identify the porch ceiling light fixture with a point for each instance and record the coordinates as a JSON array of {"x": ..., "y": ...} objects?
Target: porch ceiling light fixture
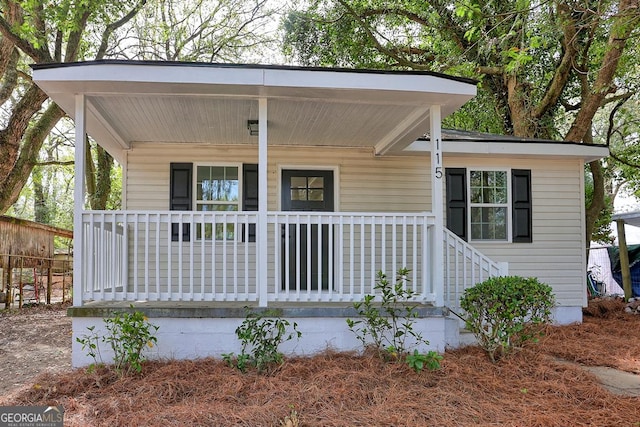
[{"x": 252, "y": 125}]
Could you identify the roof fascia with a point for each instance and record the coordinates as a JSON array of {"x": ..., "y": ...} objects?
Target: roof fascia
[
  {"x": 85, "y": 77},
  {"x": 533, "y": 149}
]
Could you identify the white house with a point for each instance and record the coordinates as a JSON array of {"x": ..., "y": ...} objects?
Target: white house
[{"x": 289, "y": 188}]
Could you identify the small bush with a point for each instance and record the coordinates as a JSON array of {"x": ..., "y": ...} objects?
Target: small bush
[
  {"x": 386, "y": 325},
  {"x": 128, "y": 334},
  {"x": 261, "y": 335},
  {"x": 505, "y": 312}
]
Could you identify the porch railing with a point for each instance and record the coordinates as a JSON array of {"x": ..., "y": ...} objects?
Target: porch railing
[
  {"x": 336, "y": 256},
  {"x": 211, "y": 256},
  {"x": 464, "y": 267}
]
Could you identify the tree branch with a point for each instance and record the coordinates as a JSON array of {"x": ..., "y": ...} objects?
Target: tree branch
[
  {"x": 624, "y": 23},
  {"x": 389, "y": 52},
  {"x": 104, "y": 41},
  {"x": 563, "y": 71},
  {"x": 55, "y": 163},
  {"x": 622, "y": 97},
  {"x": 450, "y": 26},
  {"x": 617, "y": 158},
  {"x": 75, "y": 37},
  {"x": 493, "y": 71},
  {"x": 14, "y": 15}
]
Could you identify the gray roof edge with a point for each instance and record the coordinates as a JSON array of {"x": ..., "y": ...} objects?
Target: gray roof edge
[
  {"x": 51, "y": 65},
  {"x": 626, "y": 215},
  {"x": 464, "y": 135}
]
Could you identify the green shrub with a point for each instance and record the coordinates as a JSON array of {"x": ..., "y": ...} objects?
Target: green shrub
[
  {"x": 261, "y": 335},
  {"x": 386, "y": 325},
  {"x": 128, "y": 334},
  {"x": 505, "y": 312}
]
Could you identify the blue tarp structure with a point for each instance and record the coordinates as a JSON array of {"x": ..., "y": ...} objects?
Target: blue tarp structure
[{"x": 634, "y": 266}]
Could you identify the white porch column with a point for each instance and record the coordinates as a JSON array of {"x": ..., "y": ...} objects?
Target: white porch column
[
  {"x": 261, "y": 229},
  {"x": 78, "y": 199},
  {"x": 437, "y": 184}
]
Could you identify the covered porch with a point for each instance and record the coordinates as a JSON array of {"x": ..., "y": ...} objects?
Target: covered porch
[{"x": 274, "y": 252}]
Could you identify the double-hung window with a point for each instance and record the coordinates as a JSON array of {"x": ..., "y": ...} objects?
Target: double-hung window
[
  {"x": 213, "y": 188},
  {"x": 217, "y": 188},
  {"x": 489, "y": 204}
]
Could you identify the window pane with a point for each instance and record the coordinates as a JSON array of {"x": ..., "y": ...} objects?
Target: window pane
[
  {"x": 298, "y": 182},
  {"x": 217, "y": 208},
  {"x": 316, "y": 182},
  {"x": 476, "y": 232},
  {"x": 476, "y": 194},
  {"x": 500, "y": 216},
  {"x": 298, "y": 194},
  {"x": 486, "y": 231},
  {"x": 231, "y": 173},
  {"x": 487, "y": 215},
  {"x": 226, "y": 191},
  {"x": 316, "y": 195},
  {"x": 217, "y": 183},
  {"x": 475, "y": 179},
  {"x": 476, "y": 215},
  {"x": 501, "y": 195},
  {"x": 204, "y": 173},
  {"x": 488, "y": 195},
  {"x": 488, "y": 223}
]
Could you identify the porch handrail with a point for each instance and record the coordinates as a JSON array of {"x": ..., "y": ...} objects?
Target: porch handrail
[
  {"x": 365, "y": 243},
  {"x": 465, "y": 266},
  {"x": 161, "y": 255}
]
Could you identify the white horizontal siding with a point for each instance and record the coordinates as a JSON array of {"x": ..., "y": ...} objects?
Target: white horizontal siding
[
  {"x": 366, "y": 183},
  {"x": 557, "y": 254}
]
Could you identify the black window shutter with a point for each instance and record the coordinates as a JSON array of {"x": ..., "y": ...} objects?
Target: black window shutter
[
  {"x": 456, "y": 199},
  {"x": 249, "y": 197},
  {"x": 521, "y": 205},
  {"x": 180, "y": 196}
]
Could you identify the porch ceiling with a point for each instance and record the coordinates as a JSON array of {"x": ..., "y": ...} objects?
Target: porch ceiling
[{"x": 132, "y": 102}]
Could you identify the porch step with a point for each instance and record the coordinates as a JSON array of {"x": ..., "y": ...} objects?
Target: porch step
[
  {"x": 456, "y": 335},
  {"x": 466, "y": 337}
]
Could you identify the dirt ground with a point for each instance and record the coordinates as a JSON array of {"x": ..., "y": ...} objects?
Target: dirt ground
[
  {"x": 36, "y": 338},
  {"x": 32, "y": 341},
  {"x": 546, "y": 384}
]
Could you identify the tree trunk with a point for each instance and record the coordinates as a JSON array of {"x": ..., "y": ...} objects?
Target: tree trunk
[
  {"x": 102, "y": 183},
  {"x": 598, "y": 199},
  {"x": 523, "y": 125},
  {"x": 40, "y": 209},
  {"x": 16, "y": 164}
]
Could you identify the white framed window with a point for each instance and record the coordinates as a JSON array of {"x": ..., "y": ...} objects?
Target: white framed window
[
  {"x": 489, "y": 204},
  {"x": 217, "y": 188}
]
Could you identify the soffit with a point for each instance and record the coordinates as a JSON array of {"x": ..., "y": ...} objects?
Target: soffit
[{"x": 129, "y": 102}]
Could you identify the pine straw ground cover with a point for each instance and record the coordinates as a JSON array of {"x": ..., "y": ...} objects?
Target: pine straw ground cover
[{"x": 531, "y": 388}]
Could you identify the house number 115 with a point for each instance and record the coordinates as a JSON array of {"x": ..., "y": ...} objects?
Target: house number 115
[{"x": 438, "y": 163}]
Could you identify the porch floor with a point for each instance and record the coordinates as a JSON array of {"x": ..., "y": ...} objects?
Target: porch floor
[{"x": 217, "y": 309}]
